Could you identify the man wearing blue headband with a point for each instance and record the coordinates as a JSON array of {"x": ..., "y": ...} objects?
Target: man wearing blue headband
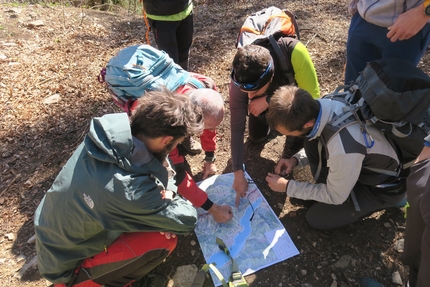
[{"x": 255, "y": 76}]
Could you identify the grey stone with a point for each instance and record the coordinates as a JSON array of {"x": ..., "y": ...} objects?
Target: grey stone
[
  {"x": 184, "y": 276},
  {"x": 52, "y": 99},
  {"x": 396, "y": 279},
  {"x": 343, "y": 262},
  {"x": 399, "y": 245}
]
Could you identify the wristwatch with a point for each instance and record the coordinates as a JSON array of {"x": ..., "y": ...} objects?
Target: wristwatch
[{"x": 427, "y": 7}]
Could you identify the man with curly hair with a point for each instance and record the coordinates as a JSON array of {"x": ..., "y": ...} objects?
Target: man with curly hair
[{"x": 112, "y": 213}]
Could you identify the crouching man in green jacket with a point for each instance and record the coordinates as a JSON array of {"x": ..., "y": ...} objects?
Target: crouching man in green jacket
[{"x": 112, "y": 214}]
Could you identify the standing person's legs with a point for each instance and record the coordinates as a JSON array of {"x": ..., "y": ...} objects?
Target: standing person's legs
[
  {"x": 367, "y": 42},
  {"x": 328, "y": 216},
  {"x": 126, "y": 260},
  {"x": 360, "y": 47},
  {"x": 184, "y": 37},
  {"x": 165, "y": 37}
]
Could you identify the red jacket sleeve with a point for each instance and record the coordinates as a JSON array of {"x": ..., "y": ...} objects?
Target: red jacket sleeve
[
  {"x": 208, "y": 140},
  {"x": 175, "y": 157},
  {"x": 189, "y": 189}
]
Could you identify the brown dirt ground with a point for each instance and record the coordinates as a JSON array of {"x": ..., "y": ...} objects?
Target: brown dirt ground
[{"x": 63, "y": 57}]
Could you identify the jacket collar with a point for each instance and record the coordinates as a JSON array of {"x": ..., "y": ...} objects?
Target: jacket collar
[
  {"x": 325, "y": 114},
  {"x": 140, "y": 154}
]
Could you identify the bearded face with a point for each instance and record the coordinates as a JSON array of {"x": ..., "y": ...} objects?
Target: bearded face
[{"x": 162, "y": 154}]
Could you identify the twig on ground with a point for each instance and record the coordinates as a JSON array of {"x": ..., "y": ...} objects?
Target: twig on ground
[
  {"x": 10, "y": 184},
  {"x": 313, "y": 37},
  {"x": 347, "y": 279}
]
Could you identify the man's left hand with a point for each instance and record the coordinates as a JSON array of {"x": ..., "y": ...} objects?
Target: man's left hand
[
  {"x": 408, "y": 24},
  {"x": 276, "y": 182},
  {"x": 257, "y": 106},
  {"x": 209, "y": 168}
]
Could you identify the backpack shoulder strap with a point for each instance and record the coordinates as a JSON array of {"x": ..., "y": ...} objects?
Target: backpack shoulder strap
[
  {"x": 195, "y": 83},
  {"x": 283, "y": 53},
  {"x": 294, "y": 21},
  {"x": 237, "y": 279}
]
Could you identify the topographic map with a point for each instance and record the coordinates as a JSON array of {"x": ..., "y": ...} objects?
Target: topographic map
[{"x": 255, "y": 237}]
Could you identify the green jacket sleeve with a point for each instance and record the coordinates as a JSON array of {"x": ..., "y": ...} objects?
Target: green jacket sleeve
[
  {"x": 304, "y": 70},
  {"x": 142, "y": 208}
]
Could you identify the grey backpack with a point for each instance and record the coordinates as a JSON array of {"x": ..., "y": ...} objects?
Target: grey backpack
[{"x": 392, "y": 95}]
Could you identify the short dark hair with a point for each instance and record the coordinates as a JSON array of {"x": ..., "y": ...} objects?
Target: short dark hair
[
  {"x": 250, "y": 62},
  {"x": 291, "y": 107},
  {"x": 164, "y": 113}
]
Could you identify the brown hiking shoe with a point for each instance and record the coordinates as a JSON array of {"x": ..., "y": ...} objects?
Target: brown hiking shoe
[{"x": 192, "y": 146}]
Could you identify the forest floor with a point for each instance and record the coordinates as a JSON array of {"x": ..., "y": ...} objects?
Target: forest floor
[{"x": 50, "y": 57}]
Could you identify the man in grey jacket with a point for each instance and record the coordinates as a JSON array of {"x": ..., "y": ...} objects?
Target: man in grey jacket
[
  {"x": 112, "y": 213},
  {"x": 385, "y": 29},
  {"x": 347, "y": 187}
]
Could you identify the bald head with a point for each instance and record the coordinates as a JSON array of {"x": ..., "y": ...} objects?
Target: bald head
[{"x": 212, "y": 104}]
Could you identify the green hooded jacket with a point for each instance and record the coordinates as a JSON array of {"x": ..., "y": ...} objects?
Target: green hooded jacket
[{"x": 109, "y": 186}]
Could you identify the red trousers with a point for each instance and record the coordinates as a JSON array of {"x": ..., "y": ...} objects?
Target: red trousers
[{"x": 127, "y": 259}]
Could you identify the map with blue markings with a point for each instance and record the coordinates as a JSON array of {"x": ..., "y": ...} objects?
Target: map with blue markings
[{"x": 255, "y": 237}]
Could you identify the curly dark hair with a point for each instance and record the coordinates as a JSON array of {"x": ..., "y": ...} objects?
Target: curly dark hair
[
  {"x": 164, "y": 113},
  {"x": 250, "y": 62},
  {"x": 291, "y": 107}
]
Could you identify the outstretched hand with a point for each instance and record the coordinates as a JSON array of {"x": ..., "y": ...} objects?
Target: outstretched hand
[
  {"x": 221, "y": 213},
  {"x": 240, "y": 185},
  {"x": 285, "y": 166},
  {"x": 276, "y": 182}
]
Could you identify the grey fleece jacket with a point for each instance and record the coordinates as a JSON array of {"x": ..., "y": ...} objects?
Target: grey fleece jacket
[
  {"x": 382, "y": 12},
  {"x": 346, "y": 156}
]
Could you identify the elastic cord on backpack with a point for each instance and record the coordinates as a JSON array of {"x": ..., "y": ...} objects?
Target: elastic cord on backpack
[{"x": 145, "y": 19}]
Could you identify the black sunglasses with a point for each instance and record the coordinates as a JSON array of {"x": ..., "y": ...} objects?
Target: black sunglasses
[{"x": 250, "y": 86}]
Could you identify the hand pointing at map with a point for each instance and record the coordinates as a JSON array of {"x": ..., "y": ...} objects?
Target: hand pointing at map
[{"x": 221, "y": 213}]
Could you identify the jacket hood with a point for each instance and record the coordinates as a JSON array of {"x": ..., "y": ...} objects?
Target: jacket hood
[{"x": 109, "y": 139}]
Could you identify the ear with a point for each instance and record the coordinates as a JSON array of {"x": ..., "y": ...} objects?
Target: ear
[
  {"x": 309, "y": 124},
  {"x": 166, "y": 140}
]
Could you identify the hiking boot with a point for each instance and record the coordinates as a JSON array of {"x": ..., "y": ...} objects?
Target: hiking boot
[{"x": 192, "y": 146}]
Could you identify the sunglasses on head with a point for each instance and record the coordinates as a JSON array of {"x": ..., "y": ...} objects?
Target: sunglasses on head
[{"x": 250, "y": 86}]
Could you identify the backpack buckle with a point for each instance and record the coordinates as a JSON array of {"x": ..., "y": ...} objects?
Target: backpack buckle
[{"x": 237, "y": 280}]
